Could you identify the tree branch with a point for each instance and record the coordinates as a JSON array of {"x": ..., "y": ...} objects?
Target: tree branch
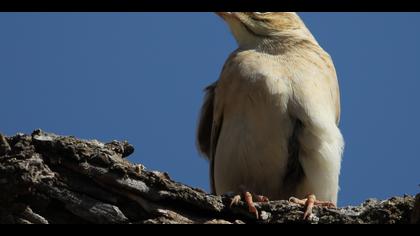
[{"x": 46, "y": 178}]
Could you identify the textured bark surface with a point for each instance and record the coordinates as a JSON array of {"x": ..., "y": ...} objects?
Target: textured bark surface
[{"x": 45, "y": 178}]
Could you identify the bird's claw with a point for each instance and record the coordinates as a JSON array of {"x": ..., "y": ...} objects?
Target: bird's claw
[
  {"x": 235, "y": 200},
  {"x": 248, "y": 198},
  {"x": 309, "y": 202}
]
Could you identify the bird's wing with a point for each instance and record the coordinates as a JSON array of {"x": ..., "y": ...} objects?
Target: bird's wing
[
  {"x": 294, "y": 170},
  {"x": 331, "y": 81},
  {"x": 205, "y": 123},
  {"x": 209, "y": 127},
  {"x": 335, "y": 91},
  {"x": 337, "y": 101},
  {"x": 308, "y": 92},
  {"x": 316, "y": 104},
  {"x": 317, "y": 89}
]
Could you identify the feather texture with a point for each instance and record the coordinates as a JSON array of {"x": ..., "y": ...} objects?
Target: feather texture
[{"x": 278, "y": 100}]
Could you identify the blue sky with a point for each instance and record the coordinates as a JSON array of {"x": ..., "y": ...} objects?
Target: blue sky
[{"x": 139, "y": 77}]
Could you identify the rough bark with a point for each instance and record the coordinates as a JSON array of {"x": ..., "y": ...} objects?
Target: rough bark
[{"x": 46, "y": 178}]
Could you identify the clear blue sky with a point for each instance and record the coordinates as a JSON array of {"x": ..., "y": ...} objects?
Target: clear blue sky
[{"x": 139, "y": 77}]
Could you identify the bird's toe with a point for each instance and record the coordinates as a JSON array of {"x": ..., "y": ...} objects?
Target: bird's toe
[{"x": 309, "y": 202}]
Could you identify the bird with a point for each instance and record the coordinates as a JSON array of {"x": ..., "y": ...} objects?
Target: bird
[{"x": 269, "y": 125}]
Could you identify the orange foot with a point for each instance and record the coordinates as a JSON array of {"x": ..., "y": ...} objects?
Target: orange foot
[
  {"x": 309, "y": 203},
  {"x": 249, "y": 201}
]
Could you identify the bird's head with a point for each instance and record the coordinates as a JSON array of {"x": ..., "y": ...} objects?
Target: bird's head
[{"x": 250, "y": 28}]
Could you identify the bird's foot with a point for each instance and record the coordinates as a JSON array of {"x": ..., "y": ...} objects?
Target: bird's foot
[
  {"x": 309, "y": 202},
  {"x": 249, "y": 200}
]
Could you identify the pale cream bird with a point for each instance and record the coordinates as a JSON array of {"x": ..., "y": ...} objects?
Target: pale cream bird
[{"x": 269, "y": 125}]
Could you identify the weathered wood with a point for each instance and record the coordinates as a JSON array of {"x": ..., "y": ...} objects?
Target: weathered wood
[
  {"x": 4, "y": 145},
  {"x": 46, "y": 178}
]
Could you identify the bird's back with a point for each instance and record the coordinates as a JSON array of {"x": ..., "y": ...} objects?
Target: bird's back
[{"x": 252, "y": 149}]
